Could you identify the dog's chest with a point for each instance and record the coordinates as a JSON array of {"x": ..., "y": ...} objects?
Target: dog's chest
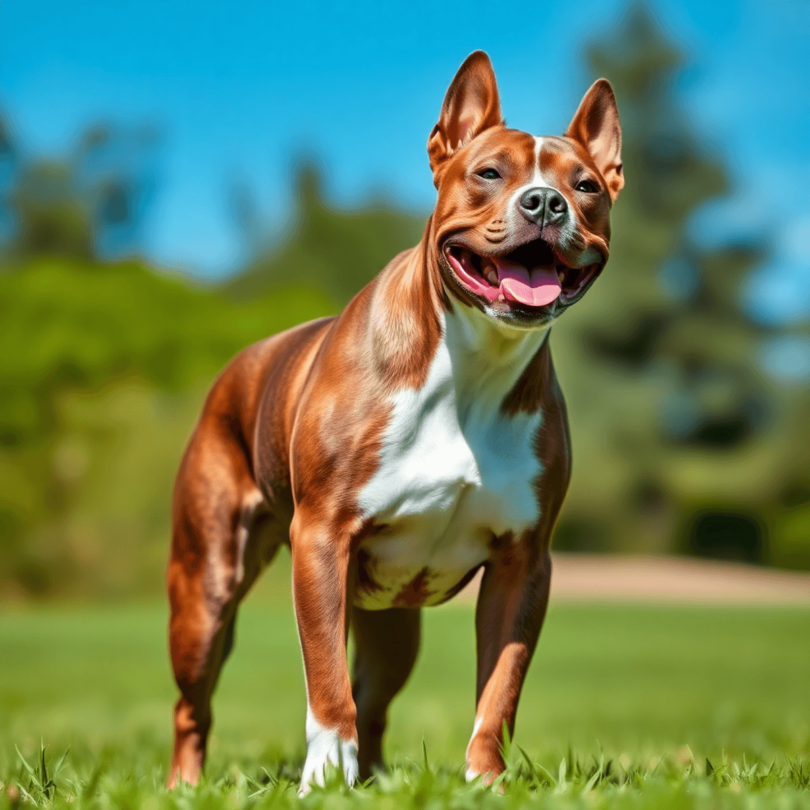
[{"x": 454, "y": 473}]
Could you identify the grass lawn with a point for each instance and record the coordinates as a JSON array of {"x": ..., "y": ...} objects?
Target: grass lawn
[{"x": 623, "y": 707}]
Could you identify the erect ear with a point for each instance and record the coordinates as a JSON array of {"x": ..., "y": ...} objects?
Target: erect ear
[
  {"x": 596, "y": 126},
  {"x": 470, "y": 106}
]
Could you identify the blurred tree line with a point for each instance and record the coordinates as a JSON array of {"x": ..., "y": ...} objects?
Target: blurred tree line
[{"x": 684, "y": 442}]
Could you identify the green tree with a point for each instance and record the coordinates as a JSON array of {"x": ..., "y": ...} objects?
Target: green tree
[
  {"x": 327, "y": 249},
  {"x": 88, "y": 202},
  {"x": 675, "y": 423}
]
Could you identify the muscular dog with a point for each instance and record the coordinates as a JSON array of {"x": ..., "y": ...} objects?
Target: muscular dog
[{"x": 402, "y": 446}]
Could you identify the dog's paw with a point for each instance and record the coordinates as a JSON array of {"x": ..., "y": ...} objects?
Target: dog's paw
[{"x": 326, "y": 748}]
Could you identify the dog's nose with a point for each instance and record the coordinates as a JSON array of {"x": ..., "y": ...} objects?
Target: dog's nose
[{"x": 543, "y": 206}]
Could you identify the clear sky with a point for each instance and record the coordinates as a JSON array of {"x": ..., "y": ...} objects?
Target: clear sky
[{"x": 240, "y": 89}]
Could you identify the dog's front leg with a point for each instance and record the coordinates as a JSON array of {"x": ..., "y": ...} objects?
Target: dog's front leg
[
  {"x": 320, "y": 581},
  {"x": 511, "y": 608}
]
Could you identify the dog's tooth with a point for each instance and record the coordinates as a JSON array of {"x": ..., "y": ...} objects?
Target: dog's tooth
[{"x": 492, "y": 276}]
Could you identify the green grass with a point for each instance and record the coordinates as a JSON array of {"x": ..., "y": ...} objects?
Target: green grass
[{"x": 638, "y": 707}]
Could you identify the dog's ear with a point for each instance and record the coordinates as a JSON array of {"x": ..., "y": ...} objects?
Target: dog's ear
[
  {"x": 596, "y": 126},
  {"x": 470, "y": 106}
]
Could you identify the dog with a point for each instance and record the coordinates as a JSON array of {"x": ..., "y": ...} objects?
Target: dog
[{"x": 405, "y": 444}]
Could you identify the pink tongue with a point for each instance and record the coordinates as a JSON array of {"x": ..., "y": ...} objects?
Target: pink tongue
[{"x": 538, "y": 288}]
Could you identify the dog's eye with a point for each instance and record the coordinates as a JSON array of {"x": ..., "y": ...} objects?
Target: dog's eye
[
  {"x": 489, "y": 174},
  {"x": 587, "y": 187}
]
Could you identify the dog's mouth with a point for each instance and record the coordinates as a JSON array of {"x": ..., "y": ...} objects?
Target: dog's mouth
[{"x": 533, "y": 275}]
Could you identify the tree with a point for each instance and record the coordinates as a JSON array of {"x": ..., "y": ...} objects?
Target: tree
[
  {"x": 89, "y": 202},
  {"x": 335, "y": 251},
  {"x": 674, "y": 421}
]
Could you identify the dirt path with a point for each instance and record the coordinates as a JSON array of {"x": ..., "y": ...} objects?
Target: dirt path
[{"x": 598, "y": 577}]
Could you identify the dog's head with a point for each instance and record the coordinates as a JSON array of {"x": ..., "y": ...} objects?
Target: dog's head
[{"x": 522, "y": 224}]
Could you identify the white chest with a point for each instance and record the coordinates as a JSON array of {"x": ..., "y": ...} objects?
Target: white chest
[{"x": 454, "y": 471}]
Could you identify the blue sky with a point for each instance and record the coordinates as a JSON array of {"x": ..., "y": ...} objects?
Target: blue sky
[{"x": 242, "y": 89}]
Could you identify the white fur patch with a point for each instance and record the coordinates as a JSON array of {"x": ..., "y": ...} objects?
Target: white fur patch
[
  {"x": 471, "y": 774},
  {"x": 538, "y": 179},
  {"x": 324, "y": 748},
  {"x": 476, "y": 726},
  {"x": 453, "y": 469}
]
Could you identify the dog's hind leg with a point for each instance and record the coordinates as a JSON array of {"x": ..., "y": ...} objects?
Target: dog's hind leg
[
  {"x": 387, "y": 643},
  {"x": 220, "y": 544}
]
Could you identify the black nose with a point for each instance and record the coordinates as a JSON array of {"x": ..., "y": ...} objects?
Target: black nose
[{"x": 543, "y": 206}]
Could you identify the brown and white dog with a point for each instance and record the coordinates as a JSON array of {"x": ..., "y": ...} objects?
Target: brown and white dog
[{"x": 398, "y": 448}]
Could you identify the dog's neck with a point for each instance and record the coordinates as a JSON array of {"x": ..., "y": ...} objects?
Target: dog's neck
[
  {"x": 488, "y": 359},
  {"x": 414, "y": 317}
]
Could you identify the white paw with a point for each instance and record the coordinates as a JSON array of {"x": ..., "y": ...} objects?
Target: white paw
[{"x": 324, "y": 748}]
